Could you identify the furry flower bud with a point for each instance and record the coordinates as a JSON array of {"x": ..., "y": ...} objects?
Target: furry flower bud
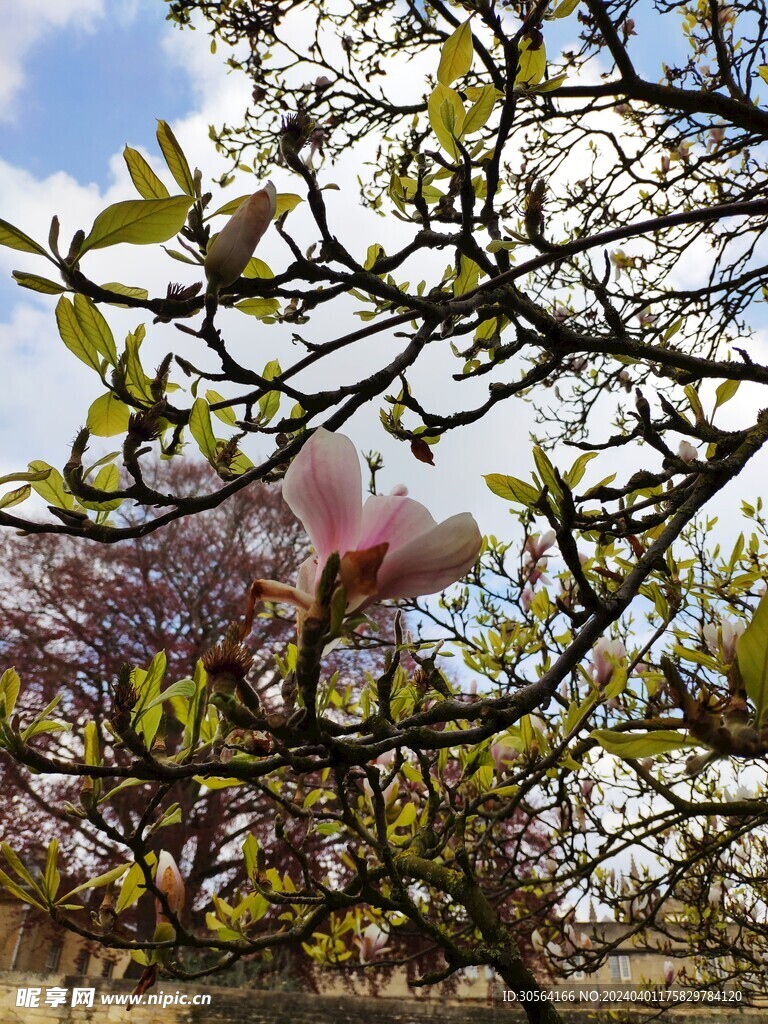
[{"x": 233, "y": 247}]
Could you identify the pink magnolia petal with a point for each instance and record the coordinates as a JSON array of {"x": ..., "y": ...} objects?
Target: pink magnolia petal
[
  {"x": 323, "y": 488},
  {"x": 432, "y": 561},
  {"x": 394, "y": 520}
]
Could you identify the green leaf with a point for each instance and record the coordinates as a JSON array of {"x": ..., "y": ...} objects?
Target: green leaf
[
  {"x": 250, "y": 849},
  {"x": 258, "y": 307},
  {"x": 138, "y": 222},
  {"x": 17, "y": 866},
  {"x": 95, "y": 328},
  {"x": 73, "y": 335},
  {"x": 257, "y": 270},
  {"x": 91, "y": 743},
  {"x": 446, "y": 117},
  {"x": 227, "y": 414},
  {"x": 480, "y": 111},
  {"x": 147, "y": 183},
  {"x": 456, "y": 55},
  {"x": 512, "y": 489},
  {"x": 575, "y": 474},
  {"x": 174, "y": 157},
  {"x": 17, "y": 891},
  {"x": 133, "y": 886},
  {"x": 184, "y": 688},
  {"x": 51, "y": 875},
  {"x": 201, "y": 429},
  {"x": 125, "y": 289},
  {"x": 98, "y": 882},
  {"x": 468, "y": 276},
  {"x": 752, "y": 655},
  {"x": 13, "y": 238},
  {"x": 107, "y": 479},
  {"x": 51, "y": 487},
  {"x": 564, "y": 9},
  {"x": 37, "y": 284},
  {"x": 405, "y": 818},
  {"x": 641, "y": 744},
  {"x": 725, "y": 392},
  {"x": 108, "y": 416},
  {"x": 532, "y": 61},
  {"x": 284, "y": 203},
  {"x": 148, "y": 711},
  {"x": 15, "y": 497},
  {"x": 10, "y": 684}
]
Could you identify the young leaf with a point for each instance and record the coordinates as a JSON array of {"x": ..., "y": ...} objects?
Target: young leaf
[
  {"x": 456, "y": 55},
  {"x": 95, "y": 328},
  {"x": 147, "y": 183},
  {"x": 51, "y": 486},
  {"x": 108, "y": 416},
  {"x": 480, "y": 110},
  {"x": 512, "y": 489},
  {"x": 37, "y": 284},
  {"x": 752, "y": 655},
  {"x": 15, "y": 497},
  {"x": 138, "y": 222},
  {"x": 641, "y": 744},
  {"x": 13, "y": 238},
  {"x": 174, "y": 157},
  {"x": 10, "y": 685},
  {"x": 201, "y": 429},
  {"x": 73, "y": 335}
]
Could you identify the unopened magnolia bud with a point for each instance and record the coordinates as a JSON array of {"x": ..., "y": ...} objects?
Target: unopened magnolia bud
[
  {"x": 169, "y": 881},
  {"x": 233, "y": 247}
]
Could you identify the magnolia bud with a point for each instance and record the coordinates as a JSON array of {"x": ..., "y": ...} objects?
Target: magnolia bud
[
  {"x": 233, "y": 247},
  {"x": 169, "y": 881}
]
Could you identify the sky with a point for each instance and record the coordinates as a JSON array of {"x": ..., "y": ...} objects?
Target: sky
[{"x": 79, "y": 79}]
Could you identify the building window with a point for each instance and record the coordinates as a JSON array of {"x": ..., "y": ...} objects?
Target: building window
[
  {"x": 83, "y": 962},
  {"x": 54, "y": 956},
  {"x": 107, "y": 968},
  {"x": 620, "y": 968}
]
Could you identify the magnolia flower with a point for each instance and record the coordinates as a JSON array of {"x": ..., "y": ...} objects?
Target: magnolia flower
[
  {"x": 372, "y": 942},
  {"x": 526, "y": 597},
  {"x": 390, "y": 546},
  {"x": 686, "y": 452},
  {"x": 722, "y": 641},
  {"x": 716, "y": 136},
  {"x": 605, "y": 654},
  {"x": 538, "y": 544},
  {"x": 669, "y": 972},
  {"x": 234, "y": 245},
  {"x": 169, "y": 881}
]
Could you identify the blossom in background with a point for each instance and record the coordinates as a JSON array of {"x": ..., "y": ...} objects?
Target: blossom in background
[
  {"x": 669, "y": 972},
  {"x": 169, "y": 881},
  {"x": 391, "y": 546},
  {"x": 722, "y": 640},
  {"x": 371, "y": 943},
  {"x": 605, "y": 654},
  {"x": 687, "y": 452},
  {"x": 234, "y": 245}
]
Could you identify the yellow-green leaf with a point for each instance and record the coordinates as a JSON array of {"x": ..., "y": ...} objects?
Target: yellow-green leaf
[
  {"x": 73, "y": 335},
  {"x": 446, "y": 116},
  {"x": 201, "y": 429},
  {"x": 641, "y": 744},
  {"x": 456, "y": 55},
  {"x": 138, "y": 222},
  {"x": 147, "y": 183},
  {"x": 174, "y": 157},
  {"x": 227, "y": 414},
  {"x": 564, "y": 9},
  {"x": 532, "y": 61},
  {"x": 512, "y": 489},
  {"x": 752, "y": 654},
  {"x": 15, "y": 497},
  {"x": 480, "y": 110},
  {"x": 51, "y": 488},
  {"x": 10, "y": 684},
  {"x": 95, "y": 328},
  {"x": 108, "y": 416},
  {"x": 37, "y": 284},
  {"x": 258, "y": 307},
  {"x": 13, "y": 238},
  {"x": 725, "y": 392}
]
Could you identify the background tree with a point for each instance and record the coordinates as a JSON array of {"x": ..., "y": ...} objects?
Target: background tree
[{"x": 567, "y": 211}]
